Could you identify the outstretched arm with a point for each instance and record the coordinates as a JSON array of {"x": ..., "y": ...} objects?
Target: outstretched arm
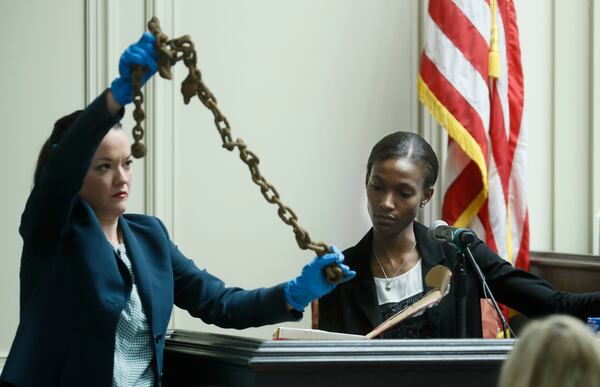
[
  {"x": 530, "y": 294},
  {"x": 206, "y": 296},
  {"x": 49, "y": 204}
]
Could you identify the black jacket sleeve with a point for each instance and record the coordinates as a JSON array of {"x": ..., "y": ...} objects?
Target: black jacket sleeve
[{"x": 528, "y": 293}]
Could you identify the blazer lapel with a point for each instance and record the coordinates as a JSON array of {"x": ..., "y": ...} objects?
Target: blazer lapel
[
  {"x": 364, "y": 285},
  {"x": 140, "y": 268},
  {"x": 432, "y": 254}
]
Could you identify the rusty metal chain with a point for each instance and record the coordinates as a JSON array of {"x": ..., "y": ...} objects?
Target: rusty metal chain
[
  {"x": 138, "y": 149},
  {"x": 172, "y": 51}
]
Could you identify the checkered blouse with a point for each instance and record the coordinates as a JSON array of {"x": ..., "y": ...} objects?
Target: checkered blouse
[{"x": 133, "y": 342}]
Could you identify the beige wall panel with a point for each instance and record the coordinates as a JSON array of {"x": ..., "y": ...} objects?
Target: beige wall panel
[
  {"x": 126, "y": 21},
  {"x": 42, "y": 77},
  {"x": 595, "y": 128},
  {"x": 535, "y": 32},
  {"x": 310, "y": 86},
  {"x": 572, "y": 124}
]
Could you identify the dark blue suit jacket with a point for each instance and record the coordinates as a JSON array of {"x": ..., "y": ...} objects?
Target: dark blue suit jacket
[{"x": 73, "y": 287}]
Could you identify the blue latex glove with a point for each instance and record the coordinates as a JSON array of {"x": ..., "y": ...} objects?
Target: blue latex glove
[
  {"x": 312, "y": 282},
  {"x": 142, "y": 53}
]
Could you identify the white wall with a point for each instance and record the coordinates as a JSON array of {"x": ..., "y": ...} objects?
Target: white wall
[
  {"x": 35, "y": 88},
  {"x": 310, "y": 86},
  {"x": 560, "y": 52}
]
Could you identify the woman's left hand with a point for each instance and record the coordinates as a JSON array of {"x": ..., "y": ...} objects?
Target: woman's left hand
[
  {"x": 312, "y": 283},
  {"x": 142, "y": 53}
]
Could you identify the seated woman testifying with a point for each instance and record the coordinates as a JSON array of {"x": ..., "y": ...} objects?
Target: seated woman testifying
[
  {"x": 392, "y": 260},
  {"x": 98, "y": 285}
]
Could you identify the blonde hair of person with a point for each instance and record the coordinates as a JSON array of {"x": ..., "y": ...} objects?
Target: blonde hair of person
[{"x": 557, "y": 351}]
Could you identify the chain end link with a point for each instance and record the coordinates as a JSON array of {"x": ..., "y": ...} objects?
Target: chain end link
[{"x": 334, "y": 274}]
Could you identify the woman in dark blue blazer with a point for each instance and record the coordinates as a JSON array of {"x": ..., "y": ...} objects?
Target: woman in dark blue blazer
[{"x": 98, "y": 285}]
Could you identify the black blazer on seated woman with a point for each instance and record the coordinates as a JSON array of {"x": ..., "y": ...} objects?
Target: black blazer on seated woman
[{"x": 352, "y": 307}]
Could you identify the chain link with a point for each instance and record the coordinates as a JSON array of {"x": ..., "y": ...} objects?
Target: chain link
[
  {"x": 172, "y": 51},
  {"x": 138, "y": 149}
]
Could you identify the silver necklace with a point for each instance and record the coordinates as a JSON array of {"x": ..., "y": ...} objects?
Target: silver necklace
[{"x": 388, "y": 280}]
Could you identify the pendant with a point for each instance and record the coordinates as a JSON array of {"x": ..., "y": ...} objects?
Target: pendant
[{"x": 388, "y": 286}]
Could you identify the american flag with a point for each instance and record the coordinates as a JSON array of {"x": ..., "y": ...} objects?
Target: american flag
[{"x": 471, "y": 80}]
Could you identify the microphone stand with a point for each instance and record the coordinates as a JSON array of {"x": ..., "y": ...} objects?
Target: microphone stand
[
  {"x": 462, "y": 241},
  {"x": 487, "y": 291},
  {"x": 461, "y": 296}
]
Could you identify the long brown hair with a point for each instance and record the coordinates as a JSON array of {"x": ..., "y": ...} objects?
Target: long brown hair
[{"x": 60, "y": 128}]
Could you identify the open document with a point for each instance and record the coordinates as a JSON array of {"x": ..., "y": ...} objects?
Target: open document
[{"x": 438, "y": 278}]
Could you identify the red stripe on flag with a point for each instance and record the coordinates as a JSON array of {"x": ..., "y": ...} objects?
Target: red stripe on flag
[
  {"x": 455, "y": 25},
  {"x": 484, "y": 218},
  {"x": 522, "y": 258},
  {"x": 453, "y": 100},
  {"x": 516, "y": 94},
  {"x": 461, "y": 192}
]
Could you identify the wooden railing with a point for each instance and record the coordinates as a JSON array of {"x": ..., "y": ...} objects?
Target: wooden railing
[{"x": 568, "y": 272}]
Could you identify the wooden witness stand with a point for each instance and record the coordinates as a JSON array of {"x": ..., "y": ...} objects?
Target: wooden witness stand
[
  {"x": 204, "y": 359},
  {"x": 328, "y": 358}
]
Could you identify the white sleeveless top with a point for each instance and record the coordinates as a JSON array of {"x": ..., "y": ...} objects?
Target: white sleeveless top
[
  {"x": 406, "y": 289},
  {"x": 404, "y": 286}
]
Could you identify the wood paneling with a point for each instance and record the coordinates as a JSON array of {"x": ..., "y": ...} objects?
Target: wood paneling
[{"x": 568, "y": 272}]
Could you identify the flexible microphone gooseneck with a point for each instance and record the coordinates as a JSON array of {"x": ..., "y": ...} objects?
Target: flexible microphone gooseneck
[{"x": 439, "y": 231}]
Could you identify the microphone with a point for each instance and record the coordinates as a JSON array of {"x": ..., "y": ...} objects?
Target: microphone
[{"x": 439, "y": 231}]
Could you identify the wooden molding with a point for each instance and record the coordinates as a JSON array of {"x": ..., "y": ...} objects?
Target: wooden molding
[
  {"x": 577, "y": 261},
  {"x": 567, "y": 272}
]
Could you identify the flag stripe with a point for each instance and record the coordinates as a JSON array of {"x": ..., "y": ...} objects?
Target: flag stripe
[
  {"x": 472, "y": 131},
  {"x": 515, "y": 73},
  {"x": 502, "y": 81},
  {"x": 442, "y": 115},
  {"x": 487, "y": 152},
  {"x": 454, "y": 113},
  {"x": 455, "y": 25},
  {"x": 457, "y": 70},
  {"x": 463, "y": 190},
  {"x": 459, "y": 162},
  {"x": 484, "y": 218},
  {"x": 478, "y": 12},
  {"x": 497, "y": 212},
  {"x": 522, "y": 260},
  {"x": 517, "y": 195},
  {"x": 499, "y": 142}
]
